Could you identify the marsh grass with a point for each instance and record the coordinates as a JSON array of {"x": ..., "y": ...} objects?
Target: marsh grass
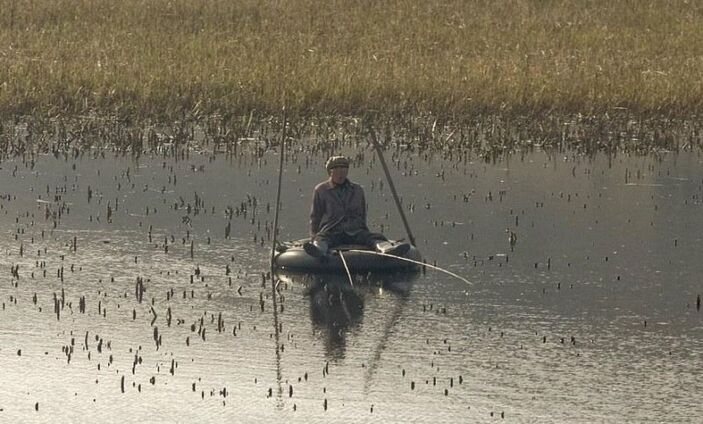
[{"x": 165, "y": 59}]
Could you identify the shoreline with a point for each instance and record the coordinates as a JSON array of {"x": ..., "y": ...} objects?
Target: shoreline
[{"x": 487, "y": 136}]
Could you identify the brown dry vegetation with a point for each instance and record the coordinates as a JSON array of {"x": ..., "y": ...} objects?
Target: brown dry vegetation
[{"x": 164, "y": 59}]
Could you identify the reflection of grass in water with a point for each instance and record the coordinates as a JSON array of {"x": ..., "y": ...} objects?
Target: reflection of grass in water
[{"x": 164, "y": 58}]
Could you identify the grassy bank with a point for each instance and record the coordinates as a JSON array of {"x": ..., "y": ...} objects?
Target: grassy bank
[{"x": 165, "y": 58}]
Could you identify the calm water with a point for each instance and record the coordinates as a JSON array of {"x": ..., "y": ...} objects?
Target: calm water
[{"x": 141, "y": 292}]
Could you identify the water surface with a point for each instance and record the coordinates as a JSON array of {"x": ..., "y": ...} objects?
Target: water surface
[{"x": 589, "y": 315}]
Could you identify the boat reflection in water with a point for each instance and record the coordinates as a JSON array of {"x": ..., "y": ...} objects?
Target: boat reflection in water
[{"x": 337, "y": 306}]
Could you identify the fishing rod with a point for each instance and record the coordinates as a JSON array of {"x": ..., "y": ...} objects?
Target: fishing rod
[
  {"x": 346, "y": 268},
  {"x": 371, "y": 252},
  {"x": 391, "y": 185},
  {"x": 278, "y": 194}
]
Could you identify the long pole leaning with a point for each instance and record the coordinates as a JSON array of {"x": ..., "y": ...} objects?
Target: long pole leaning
[
  {"x": 391, "y": 185},
  {"x": 278, "y": 193}
]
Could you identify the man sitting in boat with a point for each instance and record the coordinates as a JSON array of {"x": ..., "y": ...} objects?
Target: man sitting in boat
[{"x": 338, "y": 215}]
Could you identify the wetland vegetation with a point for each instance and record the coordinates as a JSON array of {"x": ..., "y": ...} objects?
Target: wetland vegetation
[
  {"x": 160, "y": 61},
  {"x": 547, "y": 151}
]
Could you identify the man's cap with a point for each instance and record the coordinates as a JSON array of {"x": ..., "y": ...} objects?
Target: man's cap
[{"x": 337, "y": 162}]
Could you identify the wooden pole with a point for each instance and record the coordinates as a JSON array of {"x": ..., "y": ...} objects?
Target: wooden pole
[
  {"x": 391, "y": 185},
  {"x": 278, "y": 194}
]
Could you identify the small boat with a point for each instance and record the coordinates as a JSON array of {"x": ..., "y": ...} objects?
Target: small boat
[
  {"x": 359, "y": 259},
  {"x": 400, "y": 282}
]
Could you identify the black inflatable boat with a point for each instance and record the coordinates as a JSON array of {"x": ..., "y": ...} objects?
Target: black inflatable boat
[{"x": 359, "y": 259}]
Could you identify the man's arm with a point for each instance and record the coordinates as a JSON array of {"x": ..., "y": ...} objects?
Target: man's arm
[{"x": 315, "y": 214}]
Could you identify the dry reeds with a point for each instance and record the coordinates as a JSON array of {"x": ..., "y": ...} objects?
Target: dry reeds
[{"x": 164, "y": 59}]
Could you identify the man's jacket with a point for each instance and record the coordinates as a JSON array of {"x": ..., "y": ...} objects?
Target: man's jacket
[{"x": 337, "y": 209}]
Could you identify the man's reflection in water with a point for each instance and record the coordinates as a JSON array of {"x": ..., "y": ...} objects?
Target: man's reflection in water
[{"x": 335, "y": 308}]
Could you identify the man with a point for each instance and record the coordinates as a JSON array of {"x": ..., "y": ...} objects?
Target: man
[{"x": 338, "y": 215}]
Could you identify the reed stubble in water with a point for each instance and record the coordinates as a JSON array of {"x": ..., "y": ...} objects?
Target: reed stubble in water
[{"x": 451, "y": 57}]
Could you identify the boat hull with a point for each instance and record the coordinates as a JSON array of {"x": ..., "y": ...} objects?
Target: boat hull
[{"x": 294, "y": 258}]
